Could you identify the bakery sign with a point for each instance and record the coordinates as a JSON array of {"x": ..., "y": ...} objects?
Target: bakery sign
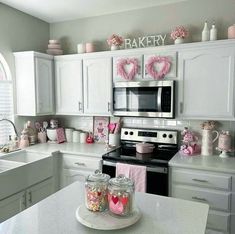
[{"x": 146, "y": 41}]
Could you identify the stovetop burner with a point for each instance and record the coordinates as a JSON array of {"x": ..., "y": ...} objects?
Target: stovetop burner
[{"x": 165, "y": 147}]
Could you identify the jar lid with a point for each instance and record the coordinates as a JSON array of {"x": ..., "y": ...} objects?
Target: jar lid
[
  {"x": 98, "y": 176},
  {"x": 121, "y": 181}
]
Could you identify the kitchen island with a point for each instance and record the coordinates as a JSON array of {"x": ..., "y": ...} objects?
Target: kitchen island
[{"x": 160, "y": 215}]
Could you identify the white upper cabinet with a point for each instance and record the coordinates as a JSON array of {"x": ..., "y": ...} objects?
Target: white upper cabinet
[
  {"x": 69, "y": 89},
  {"x": 34, "y": 83},
  {"x": 206, "y": 82},
  {"x": 97, "y": 86}
]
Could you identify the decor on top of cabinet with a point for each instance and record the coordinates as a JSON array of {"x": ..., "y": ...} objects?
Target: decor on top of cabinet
[
  {"x": 224, "y": 144},
  {"x": 115, "y": 42},
  {"x": 205, "y": 32},
  {"x": 159, "y": 66},
  {"x": 101, "y": 129},
  {"x": 207, "y": 137},
  {"x": 54, "y": 48},
  {"x": 128, "y": 68},
  {"x": 213, "y": 32},
  {"x": 190, "y": 142},
  {"x": 231, "y": 32},
  {"x": 179, "y": 34}
]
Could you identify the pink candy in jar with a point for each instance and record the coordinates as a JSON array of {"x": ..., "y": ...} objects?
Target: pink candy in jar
[
  {"x": 120, "y": 196},
  {"x": 96, "y": 194}
]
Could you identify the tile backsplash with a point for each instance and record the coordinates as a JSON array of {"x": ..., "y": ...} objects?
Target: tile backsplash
[{"x": 86, "y": 123}]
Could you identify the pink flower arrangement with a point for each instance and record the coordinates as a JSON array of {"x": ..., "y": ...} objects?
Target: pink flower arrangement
[
  {"x": 115, "y": 40},
  {"x": 179, "y": 32}
]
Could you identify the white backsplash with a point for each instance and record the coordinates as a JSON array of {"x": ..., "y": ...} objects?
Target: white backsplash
[{"x": 85, "y": 123}]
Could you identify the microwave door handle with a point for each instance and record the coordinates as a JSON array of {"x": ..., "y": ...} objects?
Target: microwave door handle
[{"x": 159, "y": 99}]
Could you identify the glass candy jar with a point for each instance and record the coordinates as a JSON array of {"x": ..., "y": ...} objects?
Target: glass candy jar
[
  {"x": 120, "y": 196},
  {"x": 96, "y": 197}
]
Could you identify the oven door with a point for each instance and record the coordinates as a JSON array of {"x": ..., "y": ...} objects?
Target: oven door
[
  {"x": 149, "y": 99},
  {"x": 157, "y": 177}
]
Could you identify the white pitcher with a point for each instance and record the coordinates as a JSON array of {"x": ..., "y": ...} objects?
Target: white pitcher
[{"x": 207, "y": 141}]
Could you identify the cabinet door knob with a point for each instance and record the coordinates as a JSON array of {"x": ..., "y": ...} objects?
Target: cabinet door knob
[
  {"x": 181, "y": 107},
  {"x": 30, "y": 197},
  {"x": 198, "y": 180},
  {"x": 80, "y": 164},
  {"x": 79, "y": 106},
  {"x": 24, "y": 202},
  {"x": 199, "y": 199}
]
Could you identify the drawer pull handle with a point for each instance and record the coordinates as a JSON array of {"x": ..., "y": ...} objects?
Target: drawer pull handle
[
  {"x": 203, "y": 181},
  {"x": 80, "y": 164},
  {"x": 199, "y": 199}
]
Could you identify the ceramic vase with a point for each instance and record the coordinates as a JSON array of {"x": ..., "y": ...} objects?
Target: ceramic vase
[
  {"x": 231, "y": 32},
  {"x": 179, "y": 40},
  {"x": 115, "y": 47},
  {"x": 207, "y": 141}
]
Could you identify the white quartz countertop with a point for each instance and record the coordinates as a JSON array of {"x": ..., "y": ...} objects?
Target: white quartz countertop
[
  {"x": 160, "y": 215},
  {"x": 209, "y": 163},
  {"x": 96, "y": 150}
]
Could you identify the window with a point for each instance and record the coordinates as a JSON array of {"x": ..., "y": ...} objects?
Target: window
[{"x": 6, "y": 101}]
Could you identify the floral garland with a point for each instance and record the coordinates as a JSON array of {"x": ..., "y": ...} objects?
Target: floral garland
[
  {"x": 158, "y": 74},
  {"x": 121, "y": 68}
]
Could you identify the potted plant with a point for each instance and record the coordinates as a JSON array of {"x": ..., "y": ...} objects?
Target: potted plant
[
  {"x": 179, "y": 34},
  {"x": 115, "y": 41}
]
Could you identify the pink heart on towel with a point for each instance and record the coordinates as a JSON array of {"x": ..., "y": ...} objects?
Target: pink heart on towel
[{"x": 116, "y": 208}]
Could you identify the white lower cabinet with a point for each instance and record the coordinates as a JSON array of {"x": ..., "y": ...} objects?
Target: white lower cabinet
[
  {"x": 14, "y": 204},
  {"x": 77, "y": 168},
  {"x": 212, "y": 188}
]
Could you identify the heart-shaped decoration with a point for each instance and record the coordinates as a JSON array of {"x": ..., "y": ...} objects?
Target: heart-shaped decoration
[
  {"x": 124, "y": 200},
  {"x": 99, "y": 193},
  {"x": 164, "y": 64},
  {"x": 117, "y": 208},
  {"x": 115, "y": 199},
  {"x": 121, "y": 68}
]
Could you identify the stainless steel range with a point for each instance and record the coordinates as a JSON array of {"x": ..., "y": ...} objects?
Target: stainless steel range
[{"x": 166, "y": 147}]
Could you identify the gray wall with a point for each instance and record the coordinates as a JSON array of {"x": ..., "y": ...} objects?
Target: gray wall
[
  {"x": 20, "y": 32},
  {"x": 148, "y": 21}
]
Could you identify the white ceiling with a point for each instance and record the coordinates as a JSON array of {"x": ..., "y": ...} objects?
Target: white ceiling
[{"x": 62, "y": 10}]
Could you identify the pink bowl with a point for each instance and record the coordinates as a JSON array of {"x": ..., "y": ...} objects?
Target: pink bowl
[{"x": 144, "y": 148}]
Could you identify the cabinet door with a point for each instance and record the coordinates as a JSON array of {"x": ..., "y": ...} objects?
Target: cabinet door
[
  {"x": 97, "y": 86},
  {"x": 69, "y": 176},
  {"x": 44, "y": 86},
  {"x": 39, "y": 191},
  {"x": 12, "y": 205},
  {"x": 68, "y": 79},
  {"x": 206, "y": 85}
]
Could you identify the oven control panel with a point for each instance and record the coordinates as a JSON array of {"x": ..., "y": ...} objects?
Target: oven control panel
[{"x": 148, "y": 135}]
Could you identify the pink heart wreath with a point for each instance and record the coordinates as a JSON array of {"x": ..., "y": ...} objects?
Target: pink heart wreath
[
  {"x": 121, "y": 68},
  {"x": 164, "y": 70}
]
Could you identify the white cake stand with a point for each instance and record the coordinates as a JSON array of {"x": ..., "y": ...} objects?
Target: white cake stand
[{"x": 105, "y": 221}]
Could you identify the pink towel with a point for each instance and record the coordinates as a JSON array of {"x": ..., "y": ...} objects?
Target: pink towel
[{"x": 135, "y": 173}]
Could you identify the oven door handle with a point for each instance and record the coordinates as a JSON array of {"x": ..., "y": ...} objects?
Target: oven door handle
[{"x": 163, "y": 170}]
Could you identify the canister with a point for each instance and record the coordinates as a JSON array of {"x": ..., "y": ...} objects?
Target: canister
[
  {"x": 96, "y": 191},
  {"x": 76, "y": 136},
  {"x": 121, "y": 196}
]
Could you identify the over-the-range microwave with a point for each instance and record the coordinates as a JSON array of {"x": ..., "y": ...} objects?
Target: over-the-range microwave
[{"x": 144, "y": 98}]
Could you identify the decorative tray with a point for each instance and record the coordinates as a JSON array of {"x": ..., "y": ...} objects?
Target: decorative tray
[{"x": 105, "y": 221}]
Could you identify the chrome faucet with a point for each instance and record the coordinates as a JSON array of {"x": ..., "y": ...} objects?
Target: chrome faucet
[{"x": 11, "y": 124}]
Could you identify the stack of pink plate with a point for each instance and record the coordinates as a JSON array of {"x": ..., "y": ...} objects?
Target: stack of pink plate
[{"x": 54, "y": 48}]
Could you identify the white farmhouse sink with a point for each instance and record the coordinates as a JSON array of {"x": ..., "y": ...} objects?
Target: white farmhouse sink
[
  {"x": 24, "y": 157},
  {"x": 7, "y": 165},
  {"x": 22, "y": 169}
]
